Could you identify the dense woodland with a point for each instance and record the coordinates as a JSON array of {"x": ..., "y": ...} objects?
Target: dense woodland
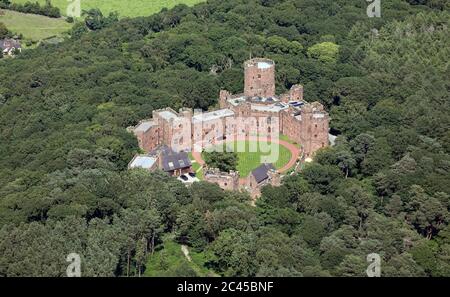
[
  {"x": 32, "y": 7},
  {"x": 384, "y": 188},
  {"x": 4, "y": 33}
]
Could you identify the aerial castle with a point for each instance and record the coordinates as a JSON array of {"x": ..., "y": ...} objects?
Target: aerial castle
[
  {"x": 170, "y": 134},
  {"x": 304, "y": 123}
]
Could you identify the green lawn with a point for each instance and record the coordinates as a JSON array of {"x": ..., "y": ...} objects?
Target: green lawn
[
  {"x": 129, "y": 8},
  {"x": 169, "y": 261},
  {"x": 33, "y": 27},
  {"x": 196, "y": 167},
  {"x": 287, "y": 139},
  {"x": 252, "y": 157},
  {"x": 37, "y": 27}
]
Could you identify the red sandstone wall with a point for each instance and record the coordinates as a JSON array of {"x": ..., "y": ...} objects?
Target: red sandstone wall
[
  {"x": 148, "y": 140},
  {"x": 259, "y": 81},
  {"x": 310, "y": 132},
  {"x": 212, "y": 132},
  {"x": 245, "y": 113},
  {"x": 175, "y": 133},
  {"x": 290, "y": 126},
  {"x": 314, "y": 132},
  {"x": 319, "y": 136},
  {"x": 253, "y": 187},
  {"x": 223, "y": 99},
  {"x": 228, "y": 183},
  {"x": 296, "y": 93}
]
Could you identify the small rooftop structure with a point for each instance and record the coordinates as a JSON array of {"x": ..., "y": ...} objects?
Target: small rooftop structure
[
  {"x": 145, "y": 162},
  {"x": 297, "y": 104},
  {"x": 213, "y": 115},
  {"x": 235, "y": 101},
  {"x": 261, "y": 63},
  {"x": 264, "y": 65},
  {"x": 144, "y": 126},
  {"x": 269, "y": 100},
  {"x": 277, "y": 107},
  {"x": 167, "y": 115},
  {"x": 262, "y": 172}
]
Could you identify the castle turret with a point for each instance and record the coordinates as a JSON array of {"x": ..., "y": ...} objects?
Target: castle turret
[
  {"x": 223, "y": 98},
  {"x": 314, "y": 130},
  {"x": 274, "y": 178},
  {"x": 296, "y": 93},
  {"x": 259, "y": 78},
  {"x": 186, "y": 113}
]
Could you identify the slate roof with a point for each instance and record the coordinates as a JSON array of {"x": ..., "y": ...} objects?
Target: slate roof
[
  {"x": 261, "y": 173},
  {"x": 174, "y": 160}
]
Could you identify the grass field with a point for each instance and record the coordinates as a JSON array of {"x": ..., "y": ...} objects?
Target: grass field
[
  {"x": 169, "y": 261},
  {"x": 130, "y": 8},
  {"x": 287, "y": 139},
  {"x": 196, "y": 167},
  {"x": 249, "y": 158},
  {"x": 33, "y": 27}
]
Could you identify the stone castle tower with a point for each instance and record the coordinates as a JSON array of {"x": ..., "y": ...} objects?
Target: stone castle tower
[
  {"x": 305, "y": 123},
  {"x": 259, "y": 77},
  {"x": 314, "y": 128},
  {"x": 223, "y": 97}
]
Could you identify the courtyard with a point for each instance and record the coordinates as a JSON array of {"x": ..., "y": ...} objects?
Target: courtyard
[{"x": 251, "y": 153}]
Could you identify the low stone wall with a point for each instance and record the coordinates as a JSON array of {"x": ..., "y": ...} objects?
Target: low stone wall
[{"x": 227, "y": 181}]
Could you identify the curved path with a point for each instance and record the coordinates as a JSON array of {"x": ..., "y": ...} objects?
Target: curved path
[{"x": 295, "y": 151}]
